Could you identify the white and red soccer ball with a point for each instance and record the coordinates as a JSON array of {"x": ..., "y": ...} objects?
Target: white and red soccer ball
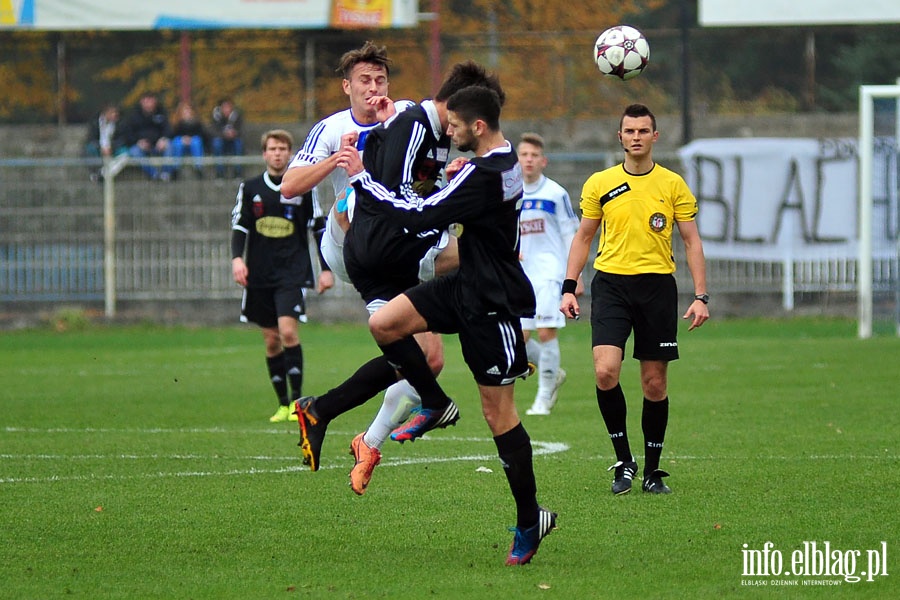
[{"x": 621, "y": 51}]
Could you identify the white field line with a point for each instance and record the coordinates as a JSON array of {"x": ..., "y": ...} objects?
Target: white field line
[{"x": 540, "y": 449}]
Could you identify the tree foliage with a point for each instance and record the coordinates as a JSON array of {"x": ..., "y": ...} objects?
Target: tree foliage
[{"x": 540, "y": 49}]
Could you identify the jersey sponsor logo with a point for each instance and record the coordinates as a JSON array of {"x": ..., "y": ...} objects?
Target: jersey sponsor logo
[
  {"x": 668, "y": 344},
  {"x": 658, "y": 222},
  {"x": 548, "y": 206},
  {"x": 614, "y": 193},
  {"x": 531, "y": 226},
  {"x": 512, "y": 183},
  {"x": 274, "y": 227}
]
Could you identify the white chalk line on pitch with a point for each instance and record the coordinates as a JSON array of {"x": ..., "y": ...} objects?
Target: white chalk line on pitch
[{"x": 540, "y": 449}]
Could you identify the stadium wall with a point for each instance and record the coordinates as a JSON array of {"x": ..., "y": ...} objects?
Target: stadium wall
[{"x": 573, "y": 146}]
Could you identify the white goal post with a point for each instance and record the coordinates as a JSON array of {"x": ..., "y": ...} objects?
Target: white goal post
[{"x": 867, "y": 96}]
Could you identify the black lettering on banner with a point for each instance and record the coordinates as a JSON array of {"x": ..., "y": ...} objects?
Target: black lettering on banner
[
  {"x": 731, "y": 224},
  {"x": 818, "y": 207}
]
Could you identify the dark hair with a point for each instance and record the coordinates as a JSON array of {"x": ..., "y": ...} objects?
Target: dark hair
[
  {"x": 465, "y": 74},
  {"x": 532, "y": 138},
  {"x": 369, "y": 53},
  {"x": 476, "y": 102},
  {"x": 637, "y": 110}
]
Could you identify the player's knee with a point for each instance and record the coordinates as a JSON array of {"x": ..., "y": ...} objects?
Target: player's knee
[
  {"x": 606, "y": 377},
  {"x": 436, "y": 363},
  {"x": 380, "y": 328},
  {"x": 654, "y": 387}
]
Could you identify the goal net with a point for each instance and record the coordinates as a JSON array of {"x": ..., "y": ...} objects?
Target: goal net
[{"x": 878, "y": 280}]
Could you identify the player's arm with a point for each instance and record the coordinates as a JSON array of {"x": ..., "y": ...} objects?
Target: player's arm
[
  {"x": 698, "y": 311},
  {"x": 578, "y": 255},
  {"x": 300, "y": 179},
  {"x": 453, "y": 204},
  {"x": 313, "y": 162},
  {"x": 241, "y": 217},
  {"x": 398, "y": 156}
]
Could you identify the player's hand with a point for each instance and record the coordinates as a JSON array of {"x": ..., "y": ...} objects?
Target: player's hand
[
  {"x": 326, "y": 281},
  {"x": 384, "y": 107},
  {"x": 349, "y": 139},
  {"x": 698, "y": 313},
  {"x": 568, "y": 306},
  {"x": 350, "y": 160},
  {"x": 455, "y": 166},
  {"x": 239, "y": 271}
]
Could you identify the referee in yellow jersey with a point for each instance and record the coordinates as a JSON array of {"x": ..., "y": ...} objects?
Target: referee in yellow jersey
[{"x": 636, "y": 205}]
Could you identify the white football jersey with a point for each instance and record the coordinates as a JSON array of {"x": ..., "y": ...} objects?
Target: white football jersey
[
  {"x": 547, "y": 226},
  {"x": 324, "y": 139}
]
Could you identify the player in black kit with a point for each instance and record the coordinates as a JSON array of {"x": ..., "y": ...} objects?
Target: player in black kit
[
  {"x": 406, "y": 156},
  {"x": 271, "y": 260},
  {"x": 482, "y": 301}
]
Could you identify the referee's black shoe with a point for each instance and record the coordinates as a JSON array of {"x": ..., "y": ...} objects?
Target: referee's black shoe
[
  {"x": 424, "y": 420},
  {"x": 312, "y": 431},
  {"x": 653, "y": 483},
  {"x": 625, "y": 472}
]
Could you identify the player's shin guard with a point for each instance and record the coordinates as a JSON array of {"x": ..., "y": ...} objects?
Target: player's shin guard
[
  {"x": 278, "y": 377},
  {"x": 514, "y": 448},
  {"x": 407, "y": 357},
  {"x": 654, "y": 420},
  {"x": 614, "y": 411}
]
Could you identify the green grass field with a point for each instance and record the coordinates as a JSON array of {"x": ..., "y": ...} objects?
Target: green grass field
[{"x": 140, "y": 463}]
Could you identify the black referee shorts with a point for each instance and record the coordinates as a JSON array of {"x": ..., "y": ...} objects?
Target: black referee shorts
[
  {"x": 492, "y": 346},
  {"x": 646, "y": 304}
]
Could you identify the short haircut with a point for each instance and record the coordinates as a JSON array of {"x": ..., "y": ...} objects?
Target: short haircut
[
  {"x": 465, "y": 74},
  {"x": 368, "y": 53},
  {"x": 278, "y": 134},
  {"x": 476, "y": 102},
  {"x": 637, "y": 110},
  {"x": 532, "y": 138}
]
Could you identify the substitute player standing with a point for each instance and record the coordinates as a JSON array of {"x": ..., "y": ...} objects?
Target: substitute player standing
[
  {"x": 273, "y": 238},
  {"x": 547, "y": 226},
  {"x": 636, "y": 206}
]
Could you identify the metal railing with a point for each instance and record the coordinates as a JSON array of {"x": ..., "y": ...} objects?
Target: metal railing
[{"x": 66, "y": 237}]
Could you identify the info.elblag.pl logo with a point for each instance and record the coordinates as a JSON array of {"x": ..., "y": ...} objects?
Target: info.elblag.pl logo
[{"x": 812, "y": 563}]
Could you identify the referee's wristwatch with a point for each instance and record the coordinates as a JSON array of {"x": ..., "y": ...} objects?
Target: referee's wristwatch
[{"x": 704, "y": 298}]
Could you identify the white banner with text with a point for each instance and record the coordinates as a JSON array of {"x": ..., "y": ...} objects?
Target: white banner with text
[{"x": 777, "y": 199}]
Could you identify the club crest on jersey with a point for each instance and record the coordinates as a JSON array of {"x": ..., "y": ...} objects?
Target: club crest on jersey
[
  {"x": 658, "y": 222},
  {"x": 257, "y": 206}
]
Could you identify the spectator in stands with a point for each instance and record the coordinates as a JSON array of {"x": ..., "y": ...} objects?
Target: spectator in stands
[
  {"x": 226, "y": 134},
  {"x": 189, "y": 135},
  {"x": 105, "y": 137},
  {"x": 148, "y": 134}
]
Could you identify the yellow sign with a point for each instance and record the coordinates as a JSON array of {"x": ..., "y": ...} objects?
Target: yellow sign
[
  {"x": 351, "y": 14},
  {"x": 7, "y": 15}
]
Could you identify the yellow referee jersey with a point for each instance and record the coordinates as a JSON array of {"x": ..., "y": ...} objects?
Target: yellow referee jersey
[{"x": 637, "y": 214}]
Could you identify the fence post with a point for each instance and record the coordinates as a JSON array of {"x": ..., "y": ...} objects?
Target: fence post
[{"x": 111, "y": 168}]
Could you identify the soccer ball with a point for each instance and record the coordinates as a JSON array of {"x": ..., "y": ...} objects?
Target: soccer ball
[{"x": 621, "y": 51}]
